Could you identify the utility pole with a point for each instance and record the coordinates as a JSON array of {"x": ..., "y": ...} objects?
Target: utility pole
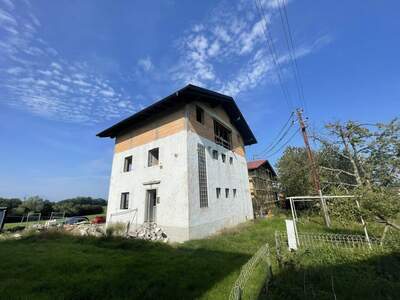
[{"x": 314, "y": 169}]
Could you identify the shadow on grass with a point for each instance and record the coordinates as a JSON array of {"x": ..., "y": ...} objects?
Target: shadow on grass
[
  {"x": 55, "y": 266},
  {"x": 344, "y": 276}
]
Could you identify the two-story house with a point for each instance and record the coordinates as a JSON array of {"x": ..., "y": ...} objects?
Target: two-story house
[{"x": 181, "y": 163}]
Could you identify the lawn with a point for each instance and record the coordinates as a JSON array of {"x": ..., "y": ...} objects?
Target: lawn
[{"x": 55, "y": 266}]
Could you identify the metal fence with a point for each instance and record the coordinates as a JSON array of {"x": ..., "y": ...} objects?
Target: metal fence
[
  {"x": 334, "y": 240},
  {"x": 238, "y": 290}
]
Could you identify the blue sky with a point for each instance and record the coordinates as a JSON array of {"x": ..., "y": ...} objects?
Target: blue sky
[{"x": 69, "y": 69}]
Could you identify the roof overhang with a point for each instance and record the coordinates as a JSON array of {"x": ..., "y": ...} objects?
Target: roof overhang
[{"x": 185, "y": 95}]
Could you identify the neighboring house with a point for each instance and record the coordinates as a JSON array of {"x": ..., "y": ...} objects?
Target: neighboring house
[
  {"x": 263, "y": 186},
  {"x": 181, "y": 163}
]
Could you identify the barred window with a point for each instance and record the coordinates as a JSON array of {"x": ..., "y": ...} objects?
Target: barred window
[
  {"x": 201, "y": 154},
  {"x": 222, "y": 135}
]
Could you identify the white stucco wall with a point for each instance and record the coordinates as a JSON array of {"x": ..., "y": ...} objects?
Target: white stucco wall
[
  {"x": 222, "y": 212},
  {"x": 172, "y": 211},
  {"x": 179, "y": 213}
]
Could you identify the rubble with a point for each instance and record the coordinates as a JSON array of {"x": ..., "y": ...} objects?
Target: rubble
[
  {"x": 150, "y": 232},
  {"x": 86, "y": 229}
]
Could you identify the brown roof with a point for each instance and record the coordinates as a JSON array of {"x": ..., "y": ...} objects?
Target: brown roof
[{"x": 255, "y": 164}]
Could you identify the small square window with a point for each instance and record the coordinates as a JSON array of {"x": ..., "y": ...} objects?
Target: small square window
[
  {"x": 218, "y": 190},
  {"x": 226, "y": 193},
  {"x": 128, "y": 164},
  {"x": 199, "y": 115},
  {"x": 231, "y": 160},
  {"x": 234, "y": 193},
  {"x": 223, "y": 156},
  {"x": 215, "y": 154},
  {"x": 124, "y": 201},
  {"x": 153, "y": 157}
]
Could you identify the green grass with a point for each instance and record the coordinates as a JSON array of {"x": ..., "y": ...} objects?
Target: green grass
[{"x": 56, "y": 266}]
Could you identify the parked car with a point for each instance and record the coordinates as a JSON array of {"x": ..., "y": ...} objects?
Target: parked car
[
  {"x": 99, "y": 220},
  {"x": 75, "y": 220}
]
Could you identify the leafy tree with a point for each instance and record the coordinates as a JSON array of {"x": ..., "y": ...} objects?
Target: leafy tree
[
  {"x": 11, "y": 203},
  {"x": 294, "y": 172},
  {"x": 32, "y": 204}
]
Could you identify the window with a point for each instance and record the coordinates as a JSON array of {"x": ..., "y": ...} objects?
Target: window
[
  {"x": 222, "y": 135},
  {"x": 124, "y": 201},
  {"x": 153, "y": 157},
  {"x": 231, "y": 160},
  {"x": 226, "y": 193},
  {"x": 199, "y": 115},
  {"x": 223, "y": 156},
  {"x": 201, "y": 156},
  {"x": 218, "y": 191},
  {"x": 215, "y": 154},
  {"x": 234, "y": 193},
  {"x": 128, "y": 164}
]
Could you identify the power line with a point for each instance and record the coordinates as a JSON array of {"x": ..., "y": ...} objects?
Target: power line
[
  {"x": 291, "y": 49},
  {"x": 285, "y": 144},
  {"x": 273, "y": 54},
  {"x": 285, "y": 133}
]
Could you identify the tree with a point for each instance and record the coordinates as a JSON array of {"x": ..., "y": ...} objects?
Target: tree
[
  {"x": 32, "y": 204},
  {"x": 294, "y": 172}
]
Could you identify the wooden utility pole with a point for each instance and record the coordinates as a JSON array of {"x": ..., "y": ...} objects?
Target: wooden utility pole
[{"x": 314, "y": 169}]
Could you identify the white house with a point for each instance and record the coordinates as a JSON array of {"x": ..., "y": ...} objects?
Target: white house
[{"x": 181, "y": 163}]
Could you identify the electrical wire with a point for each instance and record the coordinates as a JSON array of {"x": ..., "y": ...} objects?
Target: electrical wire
[
  {"x": 287, "y": 142},
  {"x": 278, "y": 135},
  {"x": 272, "y": 50}
]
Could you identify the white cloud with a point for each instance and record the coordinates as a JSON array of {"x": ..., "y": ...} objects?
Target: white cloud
[
  {"x": 146, "y": 64},
  {"x": 40, "y": 80},
  {"x": 228, "y": 51}
]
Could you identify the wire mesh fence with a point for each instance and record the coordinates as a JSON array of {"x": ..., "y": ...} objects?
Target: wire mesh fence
[
  {"x": 260, "y": 258},
  {"x": 334, "y": 240}
]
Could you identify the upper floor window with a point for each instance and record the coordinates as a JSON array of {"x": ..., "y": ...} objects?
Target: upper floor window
[
  {"x": 128, "y": 164},
  {"x": 226, "y": 193},
  {"x": 199, "y": 115},
  {"x": 222, "y": 135},
  {"x": 215, "y": 154},
  {"x": 218, "y": 191},
  {"x": 223, "y": 156},
  {"x": 234, "y": 193},
  {"x": 153, "y": 157},
  {"x": 124, "y": 201},
  {"x": 231, "y": 160}
]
